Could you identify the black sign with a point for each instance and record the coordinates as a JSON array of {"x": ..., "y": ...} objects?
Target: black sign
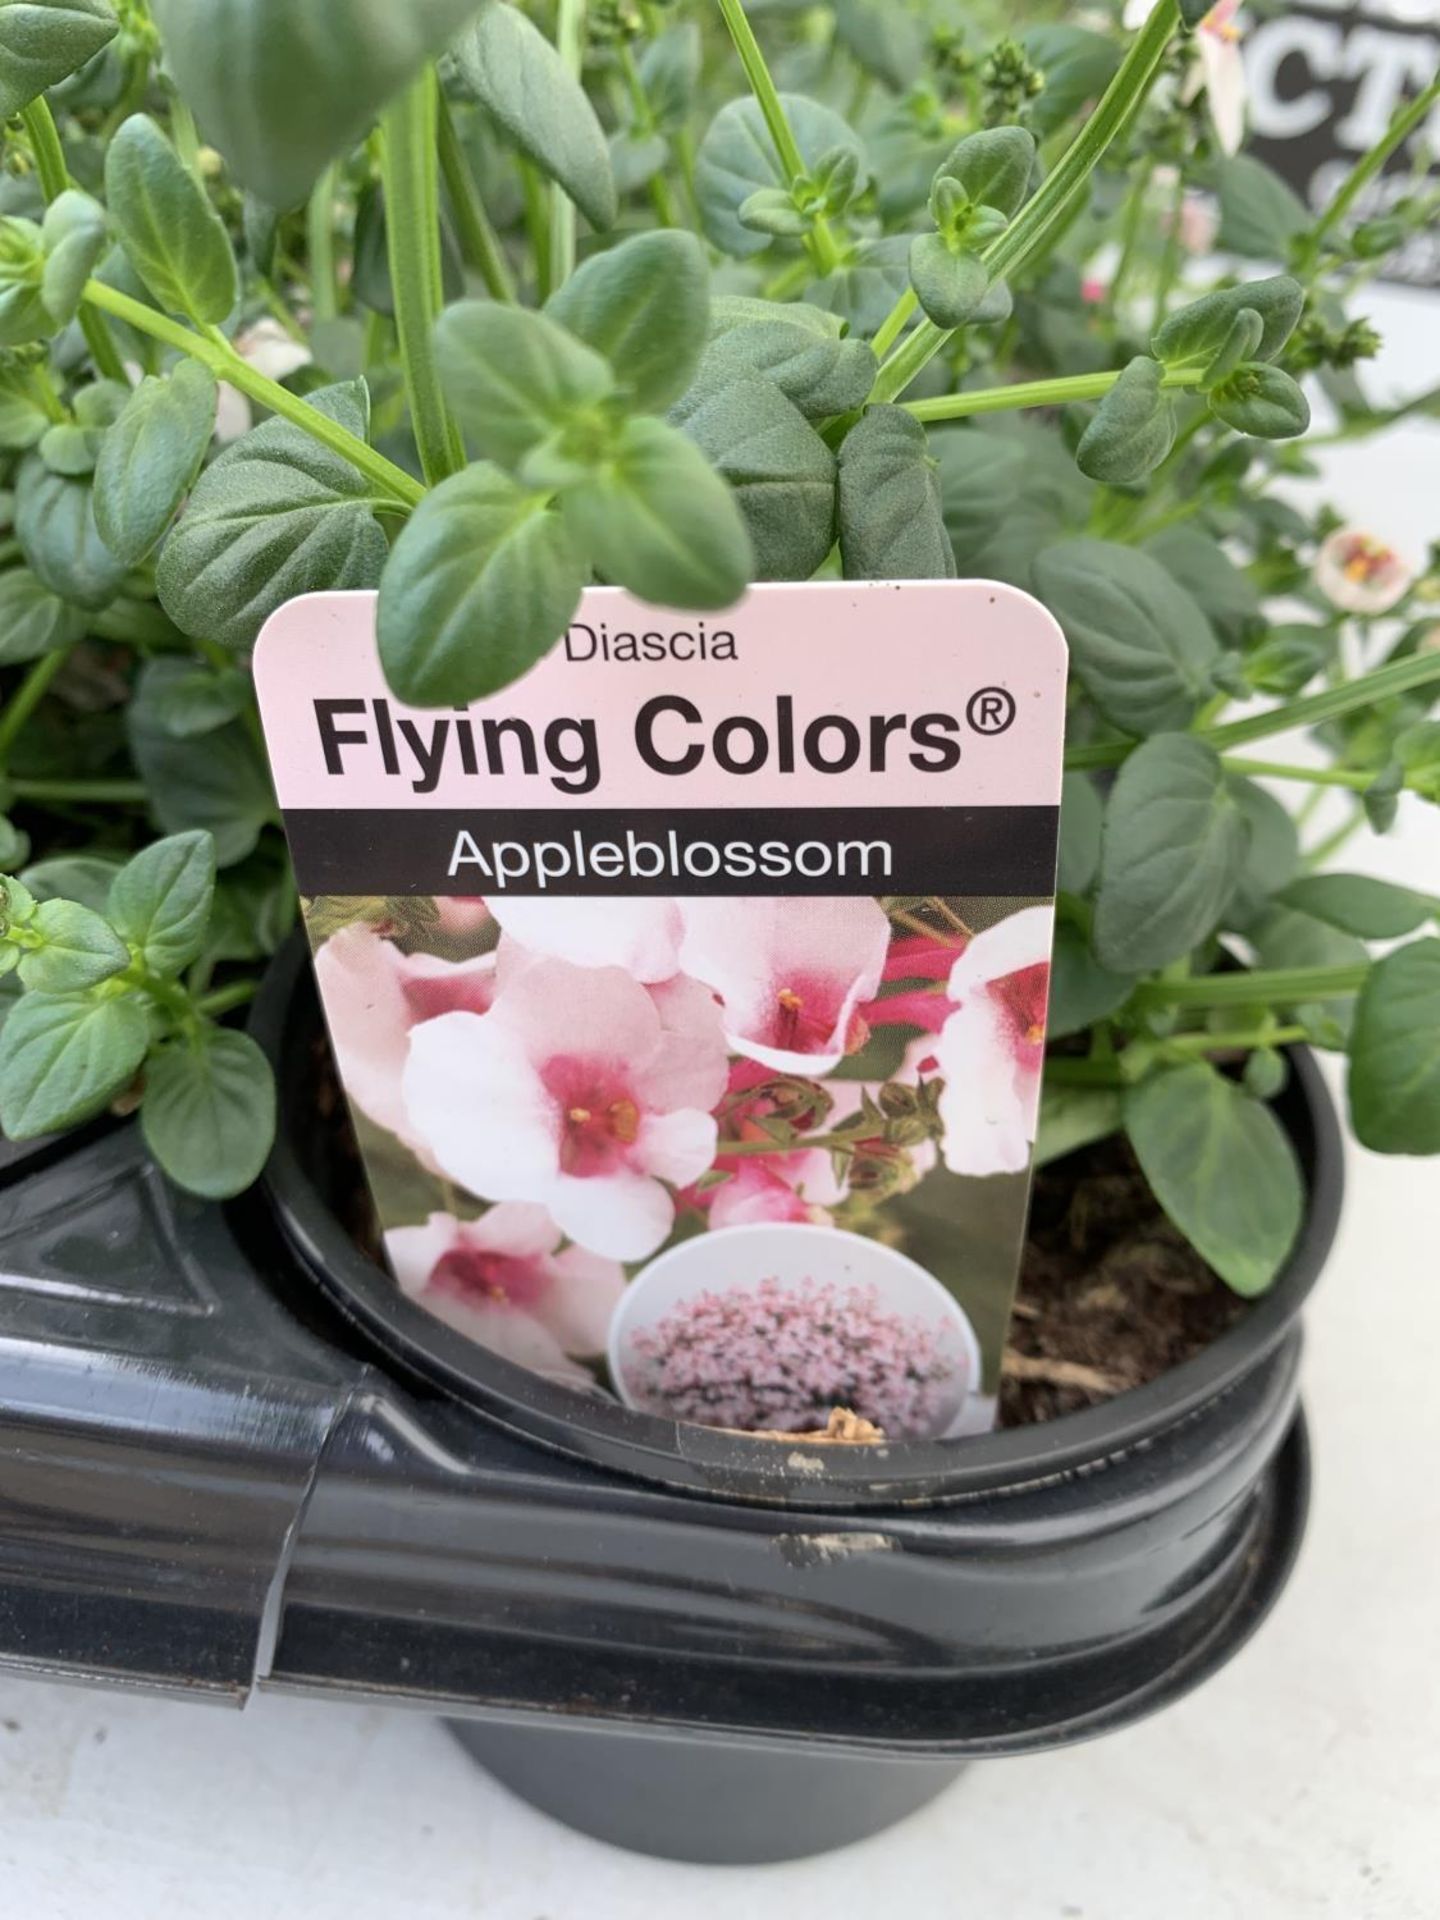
[{"x": 1325, "y": 83}]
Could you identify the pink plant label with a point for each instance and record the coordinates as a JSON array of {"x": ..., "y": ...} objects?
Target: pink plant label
[{"x": 690, "y": 993}]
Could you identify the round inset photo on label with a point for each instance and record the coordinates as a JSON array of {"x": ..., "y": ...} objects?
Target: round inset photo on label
[{"x": 777, "y": 1327}]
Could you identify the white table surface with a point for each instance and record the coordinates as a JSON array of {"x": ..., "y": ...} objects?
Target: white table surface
[{"x": 1303, "y": 1781}]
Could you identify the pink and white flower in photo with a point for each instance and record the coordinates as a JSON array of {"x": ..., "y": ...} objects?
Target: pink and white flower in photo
[
  {"x": 790, "y": 974},
  {"x": 1360, "y": 574},
  {"x": 577, "y": 1091},
  {"x": 991, "y": 1050},
  {"x": 506, "y": 1282},
  {"x": 373, "y": 995},
  {"x": 641, "y": 935},
  {"x": 1218, "y": 70}
]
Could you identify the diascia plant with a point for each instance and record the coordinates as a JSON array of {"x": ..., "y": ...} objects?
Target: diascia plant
[{"x": 476, "y": 302}]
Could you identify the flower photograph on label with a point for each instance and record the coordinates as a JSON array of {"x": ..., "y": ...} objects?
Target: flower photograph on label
[{"x": 756, "y": 1163}]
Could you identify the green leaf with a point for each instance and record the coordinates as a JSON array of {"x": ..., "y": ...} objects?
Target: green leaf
[
  {"x": 520, "y": 78},
  {"x": 658, "y": 519},
  {"x": 62, "y": 1059},
  {"x": 798, "y": 348},
  {"x": 1139, "y": 645},
  {"x": 45, "y": 41},
  {"x": 993, "y": 167},
  {"x": 217, "y": 781},
  {"x": 982, "y": 478},
  {"x": 644, "y": 307},
  {"x": 160, "y": 900},
  {"x": 80, "y": 949},
  {"x": 1359, "y": 904},
  {"x": 1078, "y": 64},
  {"x": 55, "y": 524},
  {"x": 1395, "y": 1053},
  {"x": 864, "y": 289},
  {"x": 73, "y": 232},
  {"x": 1082, "y": 813},
  {"x": 951, "y": 287},
  {"x": 188, "y": 697},
  {"x": 670, "y": 72},
  {"x": 1224, "y": 593},
  {"x": 1263, "y": 401},
  {"x": 481, "y": 583},
  {"x": 14, "y": 844},
  {"x": 1173, "y": 846},
  {"x": 22, "y": 419},
  {"x": 281, "y": 87},
  {"x": 84, "y": 877},
  {"x": 276, "y": 514},
  {"x": 514, "y": 377},
  {"x": 1289, "y": 658},
  {"x": 150, "y": 457},
  {"x": 781, "y": 471},
  {"x": 882, "y": 39},
  {"x": 1272, "y": 858},
  {"x": 1133, "y": 428},
  {"x": 1222, "y": 1167},
  {"x": 1259, "y": 214},
  {"x": 171, "y": 234},
  {"x": 208, "y": 1112},
  {"x": 33, "y": 620},
  {"x": 1418, "y": 752},
  {"x": 891, "y": 526},
  {"x": 737, "y": 158},
  {"x": 1242, "y": 343},
  {"x": 1081, "y": 990},
  {"x": 1193, "y": 336},
  {"x": 1285, "y": 938},
  {"x": 1075, "y": 1117}
]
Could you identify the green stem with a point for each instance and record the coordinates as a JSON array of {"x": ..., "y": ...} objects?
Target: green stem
[
  {"x": 479, "y": 242},
  {"x": 1031, "y": 226},
  {"x": 225, "y": 999},
  {"x": 894, "y": 323},
  {"x": 1326, "y": 849},
  {"x": 214, "y": 351},
  {"x": 1290, "y": 986},
  {"x": 828, "y": 253},
  {"x": 27, "y": 696},
  {"x": 1400, "y": 676},
  {"x": 1401, "y": 127},
  {"x": 1310, "y": 776},
  {"x": 39, "y": 123},
  {"x": 749, "y": 1149},
  {"x": 537, "y": 226},
  {"x": 643, "y": 115},
  {"x": 570, "y": 45},
  {"x": 1171, "y": 253},
  {"x": 320, "y": 244},
  {"x": 1034, "y": 393},
  {"x": 1241, "y": 1038},
  {"x": 410, "y": 176},
  {"x": 54, "y": 175},
  {"x": 1132, "y": 227},
  {"x": 85, "y": 792}
]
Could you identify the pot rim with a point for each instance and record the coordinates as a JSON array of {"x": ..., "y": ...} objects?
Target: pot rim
[{"x": 734, "y": 1466}]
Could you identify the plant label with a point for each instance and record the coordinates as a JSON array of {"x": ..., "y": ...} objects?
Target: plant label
[{"x": 690, "y": 993}]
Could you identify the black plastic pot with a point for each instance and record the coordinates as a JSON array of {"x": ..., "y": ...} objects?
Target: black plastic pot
[{"x": 763, "y": 1652}]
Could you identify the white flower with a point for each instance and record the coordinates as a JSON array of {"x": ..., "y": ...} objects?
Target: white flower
[
  {"x": 1360, "y": 574},
  {"x": 991, "y": 1051},
  {"x": 268, "y": 348}
]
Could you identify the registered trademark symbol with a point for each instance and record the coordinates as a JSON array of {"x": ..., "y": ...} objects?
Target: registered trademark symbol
[{"x": 991, "y": 710}]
